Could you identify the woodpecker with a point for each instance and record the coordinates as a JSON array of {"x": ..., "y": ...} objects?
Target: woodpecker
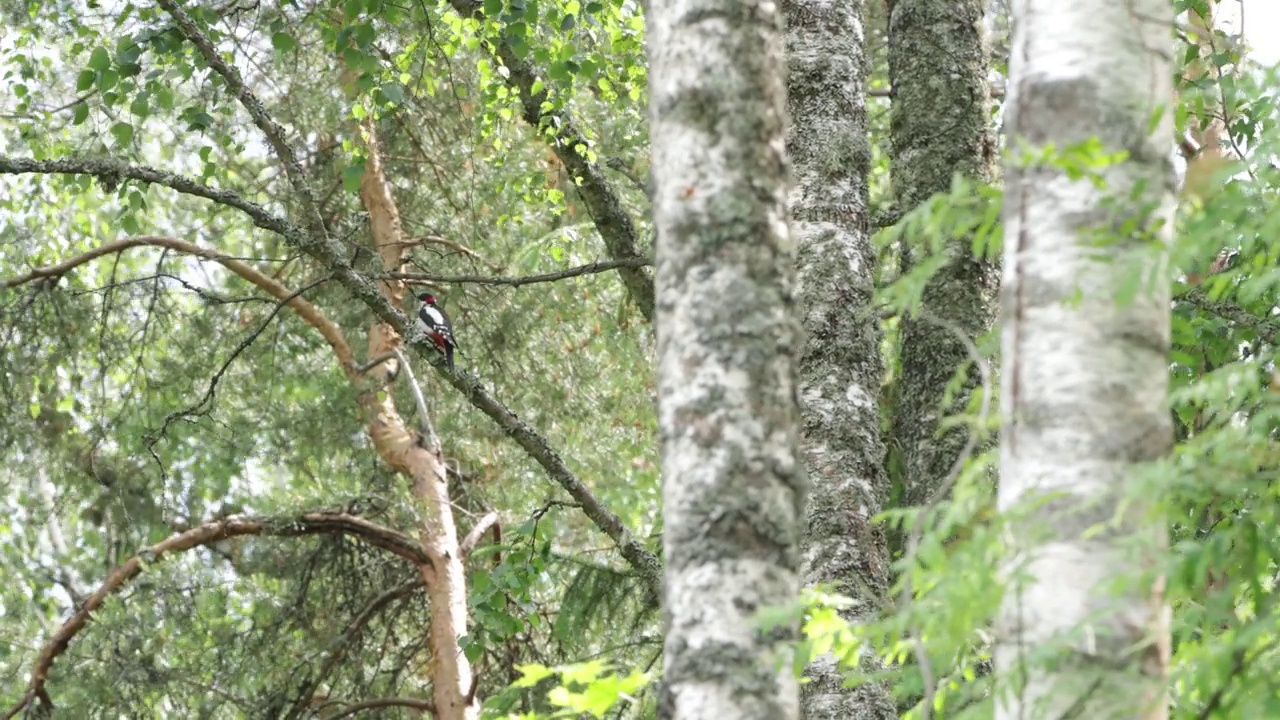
[{"x": 435, "y": 323}]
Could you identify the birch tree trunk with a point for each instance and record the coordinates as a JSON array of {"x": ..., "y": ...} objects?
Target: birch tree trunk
[
  {"x": 1084, "y": 385},
  {"x": 841, "y": 365},
  {"x": 940, "y": 127},
  {"x": 728, "y": 337}
]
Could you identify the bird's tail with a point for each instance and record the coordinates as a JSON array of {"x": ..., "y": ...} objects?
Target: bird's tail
[{"x": 448, "y": 357}]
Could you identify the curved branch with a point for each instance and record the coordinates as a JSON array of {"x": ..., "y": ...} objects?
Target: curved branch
[
  {"x": 588, "y": 269},
  {"x": 308, "y": 312},
  {"x": 314, "y": 523},
  {"x": 614, "y": 224},
  {"x": 382, "y": 703}
]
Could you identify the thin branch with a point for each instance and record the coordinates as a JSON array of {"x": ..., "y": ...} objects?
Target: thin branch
[
  {"x": 315, "y": 523},
  {"x": 588, "y": 269},
  {"x": 305, "y": 310},
  {"x": 383, "y": 703},
  {"x": 451, "y": 244},
  {"x": 337, "y": 648},
  {"x": 209, "y": 394},
  {"x": 431, "y": 440},
  {"x": 274, "y": 133},
  {"x": 490, "y": 520}
]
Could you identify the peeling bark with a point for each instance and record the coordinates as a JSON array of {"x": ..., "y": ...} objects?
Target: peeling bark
[
  {"x": 841, "y": 364},
  {"x": 418, "y": 458},
  {"x": 1085, "y": 383},
  {"x": 940, "y": 127},
  {"x": 728, "y": 339}
]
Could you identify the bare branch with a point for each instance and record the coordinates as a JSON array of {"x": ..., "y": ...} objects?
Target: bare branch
[
  {"x": 338, "y": 647},
  {"x": 432, "y": 440},
  {"x": 305, "y": 310},
  {"x": 588, "y": 269},
  {"x": 209, "y": 394},
  {"x": 473, "y": 538},
  {"x": 382, "y": 703},
  {"x": 314, "y": 523}
]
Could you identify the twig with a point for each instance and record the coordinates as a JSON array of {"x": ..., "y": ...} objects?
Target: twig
[
  {"x": 430, "y": 439},
  {"x": 338, "y": 647},
  {"x": 1267, "y": 328},
  {"x": 588, "y": 269}
]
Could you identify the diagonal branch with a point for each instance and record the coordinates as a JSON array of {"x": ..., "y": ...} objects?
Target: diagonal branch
[
  {"x": 313, "y": 523},
  {"x": 615, "y": 225},
  {"x": 110, "y": 172},
  {"x": 274, "y": 133},
  {"x": 588, "y": 269},
  {"x": 1267, "y": 327}
]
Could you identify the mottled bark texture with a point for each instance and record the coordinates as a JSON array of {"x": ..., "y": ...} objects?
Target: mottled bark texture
[
  {"x": 840, "y": 365},
  {"x": 1085, "y": 378},
  {"x": 728, "y": 338},
  {"x": 939, "y": 127}
]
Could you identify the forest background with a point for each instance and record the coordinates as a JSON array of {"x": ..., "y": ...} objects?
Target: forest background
[{"x": 216, "y": 214}]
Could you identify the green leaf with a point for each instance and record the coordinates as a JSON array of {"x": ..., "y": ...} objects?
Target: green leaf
[
  {"x": 351, "y": 176},
  {"x": 283, "y": 42},
  {"x": 81, "y": 113},
  {"x": 492, "y": 7},
  {"x": 85, "y": 79},
  {"x": 140, "y": 105},
  {"x": 393, "y": 92},
  {"x": 568, "y": 23},
  {"x": 123, "y": 133},
  {"x": 100, "y": 59}
]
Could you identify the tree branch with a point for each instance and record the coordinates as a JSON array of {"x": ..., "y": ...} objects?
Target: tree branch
[
  {"x": 110, "y": 172},
  {"x": 313, "y": 523},
  {"x": 274, "y": 133},
  {"x": 1267, "y": 328},
  {"x": 308, "y": 312},
  {"x": 612, "y": 221},
  {"x": 472, "y": 539},
  {"x": 382, "y": 703},
  {"x": 588, "y": 269}
]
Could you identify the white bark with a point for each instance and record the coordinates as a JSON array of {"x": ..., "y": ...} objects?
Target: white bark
[
  {"x": 1084, "y": 387},
  {"x": 733, "y": 484}
]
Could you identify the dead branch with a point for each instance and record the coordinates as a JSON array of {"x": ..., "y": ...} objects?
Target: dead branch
[
  {"x": 588, "y": 269},
  {"x": 431, "y": 439},
  {"x": 490, "y": 520},
  {"x": 382, "y": 703},
  {"x": 315, "y": 523}
]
